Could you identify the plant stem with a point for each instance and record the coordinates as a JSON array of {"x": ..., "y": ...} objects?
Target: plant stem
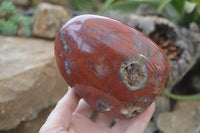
[
  {"x": 106, "y": 5},
  {"x": 182, "y": 97}
]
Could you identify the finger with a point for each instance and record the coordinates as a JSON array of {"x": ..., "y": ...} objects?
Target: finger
[
  {"x": 132, "y": 125},
  {"x": 62, "y": 113},
  {"x": 103, "y": 120},
  {"x": 121, "y": 125},
  {"x": 141, "y": 122},
  {"x": 81, "y": 124},
  {"x": 84, "y": 109}
]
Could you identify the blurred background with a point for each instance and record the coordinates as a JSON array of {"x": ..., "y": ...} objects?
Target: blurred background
[{"x": 31, "y": 85}]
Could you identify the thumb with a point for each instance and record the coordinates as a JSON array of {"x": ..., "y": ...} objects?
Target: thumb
[{"x": 140, "y": 123}]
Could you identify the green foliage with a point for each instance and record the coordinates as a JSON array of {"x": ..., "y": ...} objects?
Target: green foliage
[
  {"x": 128, "y": 5},
  {"x": 8, "y": 28},
  {"x": 183, "y": 11},
  {"x": 16, "y": 18},
  {"x": 189, "y": 7},
  {"x": 178, "y": 5},
  {"x": 28, "y": 21},
  {"x": 163, "y": 4},
  {"x": 6, "y": 8},
  {"x": 106, "y": 5},
  {"x": 86, "y": 4},
  {"x": 12, "y": 22},
  {"x": 189, "y": 14},
  {"x": 27, "y": 25},
  {"x": 27, "y": 32}
]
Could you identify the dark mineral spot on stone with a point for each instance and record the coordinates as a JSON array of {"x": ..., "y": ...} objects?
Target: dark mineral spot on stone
[
  {"x": 135, "y": 113},
  {"x": 134, "y": 74},
  {"x": 102, "y": 106},
  {"x": 131, "y": 111}
]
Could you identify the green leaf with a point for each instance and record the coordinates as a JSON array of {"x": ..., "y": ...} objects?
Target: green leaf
[
  {"x": 163, "y": 4},
  {"x": 84, "y": 4},
  {"x": 27, "y": 32},
  {"x": 28, "y": 21},
  {"x": 130, "y": 6},
  {"x": 172, "y": 11},
  {"x": 182, "y": 97},
  {"x": 106, "y": 5},
  {"x": 196, "y": 1},
  {"x": 178, "y": 5},
  {"x": 17, "y": 18},
  {"x": 8, "y": 28},
  {"x": 189, "y": 7},
  {"x": 7, "y": 7},
  {"x": 188, "y": 16}
]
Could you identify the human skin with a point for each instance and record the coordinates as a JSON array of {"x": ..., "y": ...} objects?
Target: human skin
[{"x": 72, "y": 115}]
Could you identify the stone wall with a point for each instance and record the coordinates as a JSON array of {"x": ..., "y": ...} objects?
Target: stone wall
[{"x": 29, "y": 80}]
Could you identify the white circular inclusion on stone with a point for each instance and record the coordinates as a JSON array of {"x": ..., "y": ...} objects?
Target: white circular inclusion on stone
[{"x": 133, "y": 73}]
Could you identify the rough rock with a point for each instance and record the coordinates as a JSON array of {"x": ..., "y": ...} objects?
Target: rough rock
[
  {"x": 181, "y": 45},
  {"x": 21, "y": 2},
  {"x": 195, "y": 82},
  {"x": 151, "y": 127},
  {"x": 162, "y": 105},
  {"x": 29, "y": 79},
  {"x": 146, "y": 9},
  {"x": 34, "y": 125},
  {"x": 48, "y": 20},
  {"x": 184, "y": 119},
  {"x": 57, "y": 2}
]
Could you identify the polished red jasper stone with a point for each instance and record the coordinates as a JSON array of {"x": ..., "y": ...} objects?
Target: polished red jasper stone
[{"x": 112, "y": 66}]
